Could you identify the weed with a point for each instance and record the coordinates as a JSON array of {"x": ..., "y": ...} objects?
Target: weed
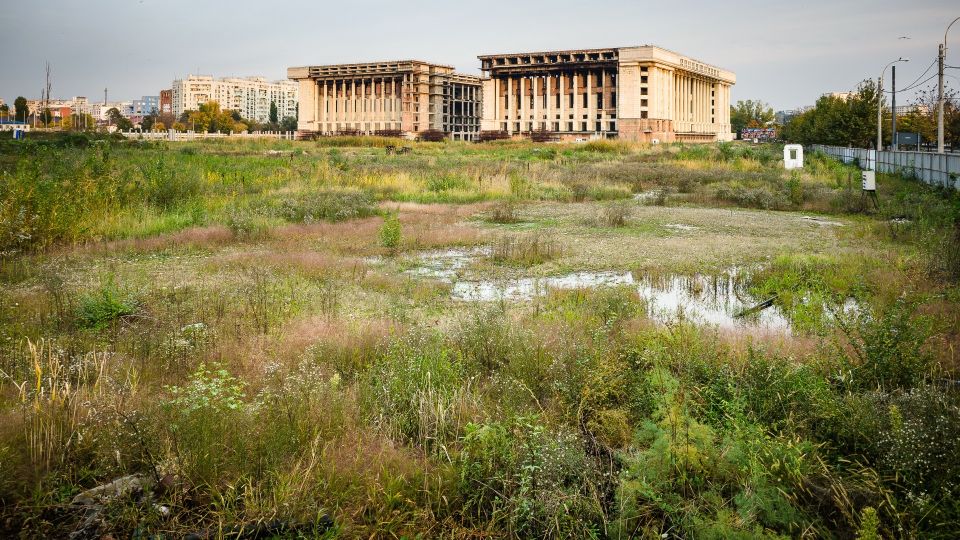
[
  {"x": 615, "y": 214},
  {"x": 99, "y": 308},
  {"x": 390, "y": 233},
  {"x": 525, "y": 250}
]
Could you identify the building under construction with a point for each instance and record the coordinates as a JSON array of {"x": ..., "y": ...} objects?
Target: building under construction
[
  {"x": 406, "y": 96},
  {"x": 641, "y": 93}
]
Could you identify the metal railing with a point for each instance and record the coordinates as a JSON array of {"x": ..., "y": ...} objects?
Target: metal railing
[{"x": 930, "y": 167}]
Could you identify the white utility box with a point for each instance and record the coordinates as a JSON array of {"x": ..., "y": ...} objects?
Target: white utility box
[
  {"x": 792, "y": 156},
  {"x": 869, "y": 179}
]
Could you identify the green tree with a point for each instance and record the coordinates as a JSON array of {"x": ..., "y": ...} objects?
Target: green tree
[
  {"x": 21, "y": 111},
  {"x": 289, "y": 123},
  {"x": 273, "y": 112},
  {"x": 4, "y": 111},
  {"x": 116, "y": 118},
  {"x": 750, "y": 113},
  {"x": 210, "y": 118},
  {"x": 839, "y": 122}
]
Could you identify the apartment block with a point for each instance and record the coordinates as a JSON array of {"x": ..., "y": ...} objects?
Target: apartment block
[
  {"x": 250, "y": 96},
  {"x": 643, "y": 93},
  {"x": 410, "y": 96}
]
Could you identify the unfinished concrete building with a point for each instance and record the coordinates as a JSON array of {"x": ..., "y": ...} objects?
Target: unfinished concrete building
[
  {"x": 408, "y": 96},
  {"x": 636, "y": 93}
]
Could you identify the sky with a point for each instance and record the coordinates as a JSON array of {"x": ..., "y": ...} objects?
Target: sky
[{"x": 784, "y": 53}]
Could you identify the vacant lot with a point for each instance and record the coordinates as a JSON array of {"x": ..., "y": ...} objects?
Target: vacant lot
[{"x": 318, "y": 339}]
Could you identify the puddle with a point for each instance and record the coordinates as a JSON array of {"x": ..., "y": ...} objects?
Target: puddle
[
  {"x": 681, "y": 227},
  {"x": 527, "y": 288},
  {"x": 821, "y": 221},
  {"x": 446, "y": 264},
  {"x": 648, "y": 196},
  {"x": 706, "y": 299},
  {"x": 713, "y": 300}
]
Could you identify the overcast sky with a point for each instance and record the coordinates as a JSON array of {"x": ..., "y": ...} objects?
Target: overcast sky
[{"x": 784, "y": 53}]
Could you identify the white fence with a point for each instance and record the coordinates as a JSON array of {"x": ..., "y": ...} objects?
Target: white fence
[
  {"x": 171, "y": 135},
  {"x": 932, "y": 168}
]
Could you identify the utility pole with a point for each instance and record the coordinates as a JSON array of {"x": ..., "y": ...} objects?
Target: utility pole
[
  {"x": 893, "y": 107},
  {"x": 941, "y": 61},
  {"x": 880, "y": 113},
  {"x": 940, "y": 97}
]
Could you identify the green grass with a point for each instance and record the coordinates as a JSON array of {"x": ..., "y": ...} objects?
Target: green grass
[{"x": 251, "y": 340}]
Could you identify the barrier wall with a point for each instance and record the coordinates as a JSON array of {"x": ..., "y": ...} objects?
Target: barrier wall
[{"x": 930, "y": 167}]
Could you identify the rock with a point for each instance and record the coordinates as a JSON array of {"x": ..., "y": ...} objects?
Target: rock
[{"x": 121, "y": 487}]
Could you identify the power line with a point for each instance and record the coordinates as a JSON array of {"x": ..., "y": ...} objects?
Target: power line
[{"x": 909, "y": 86}]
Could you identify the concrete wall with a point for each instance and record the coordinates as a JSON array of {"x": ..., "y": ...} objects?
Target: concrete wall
[{"x": 929, "y": 167}]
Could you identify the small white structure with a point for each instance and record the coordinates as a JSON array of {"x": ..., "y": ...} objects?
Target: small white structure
[
  {"x": 869, "y": 179},
  {"x": 792, "y": 156}
]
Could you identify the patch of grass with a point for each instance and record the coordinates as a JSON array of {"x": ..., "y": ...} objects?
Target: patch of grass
[
  {"x": 108, "y": 303},
  {"x": 525, "y": 250}
]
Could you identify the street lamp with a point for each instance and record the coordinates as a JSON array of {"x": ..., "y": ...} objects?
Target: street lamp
[
  {"x": 880, "y": 102},
  {"x": 942, "y": 61}
]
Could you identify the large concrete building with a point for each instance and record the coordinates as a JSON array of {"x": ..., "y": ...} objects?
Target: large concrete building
[
  {"x": 407, "y": 95},
  {"x": 641, "y": 93},
  {"x": 250, "y": 96}
]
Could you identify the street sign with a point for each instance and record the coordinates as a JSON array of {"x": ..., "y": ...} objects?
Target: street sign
[{"x": 908, "y": 138}]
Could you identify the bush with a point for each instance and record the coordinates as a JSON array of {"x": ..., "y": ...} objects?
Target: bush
[
  {"x": 525, "y": 250},
  {"x": 97, "y": 309},
  {"x": 316, "y": 206},
  {"x": 504, "y": 212},
  {"x": 615, "y": 214},
  {"x": 536, "y": 482},
  {"x": 390, "y": 232}
]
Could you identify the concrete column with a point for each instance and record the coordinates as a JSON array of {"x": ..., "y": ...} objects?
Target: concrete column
[
  {"x": 523, "y": 105},
  {"x": 563, "y": 101},
  {"x": 323, "y": 109},
  {"x": 591, "y": 103},
  {"x": 549, "y": 108},
  {"x": 511, "y": 104},
  {"x": 497, "y": 115},
  {"x": 535, "y": 123},
  {"x": 577, "y": 100}
]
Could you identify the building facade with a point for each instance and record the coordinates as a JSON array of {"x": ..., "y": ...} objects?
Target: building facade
[
  {"x": 145, "y": 106},
  {"x": 250, "y": 96},
  {"x": 641, "y": 93},
  {"x": 410, "y": 96},
  {"x": 166, "y": 102}
]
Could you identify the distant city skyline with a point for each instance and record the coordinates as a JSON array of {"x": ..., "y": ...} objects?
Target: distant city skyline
[{"x": 784, "y": 54}]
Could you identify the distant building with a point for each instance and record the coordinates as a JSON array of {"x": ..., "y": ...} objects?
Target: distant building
[
  {"x": 166, "y": 102},
  {"x": 249, "y": 96},
  {"x": 916, "y": 107},
  {"x": 145, "y": 106},
  {"x": 842, "y": 96},
  {"x": 643, "y": 93},
  {"x": 782, "y": 117},
  {"x": 409, "y": 96},
  {"x": 100, "y": 110}
]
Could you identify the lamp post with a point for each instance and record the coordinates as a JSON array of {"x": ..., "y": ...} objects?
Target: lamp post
[
  {"x": 880, "y": 102},
  {"x": 941, "y": 61}
]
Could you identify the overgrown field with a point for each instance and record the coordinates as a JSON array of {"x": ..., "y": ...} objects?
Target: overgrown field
[{"x": 320, "y": 340}]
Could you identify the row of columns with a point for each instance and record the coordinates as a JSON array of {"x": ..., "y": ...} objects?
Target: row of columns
[
  {"x": 696, "y": 104},
  {"x": 356, "y": 103},
  {"x": 512, "y": 104}
]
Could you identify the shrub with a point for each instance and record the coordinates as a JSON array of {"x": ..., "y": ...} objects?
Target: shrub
[
  {"x": 316, "y": 206},
  {"x": 99, "y": 308},
  {"x": 390, "y": 233},
  {"x": 414, "y": 392},
  {"x": 246, "y": 224},
  {"x": 525, "y": 250},
  {"x": 205, "y": 419},
  {"x": 504, "y": 212},
  {"x": 615, "y": 214},
  {"x": 537, "y": 482}
]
